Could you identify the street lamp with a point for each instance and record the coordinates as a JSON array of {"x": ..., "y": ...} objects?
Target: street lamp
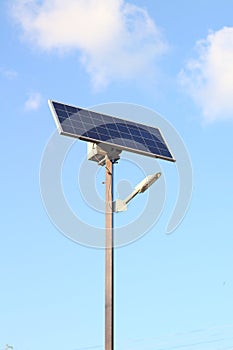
[
  {"x": 107, "y": 137},
  {"x": 121, "y": 205}
]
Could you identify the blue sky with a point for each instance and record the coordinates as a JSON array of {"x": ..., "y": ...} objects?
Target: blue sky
[{"x": 173, "y": 57}]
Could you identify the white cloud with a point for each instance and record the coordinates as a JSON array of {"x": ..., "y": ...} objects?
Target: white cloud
[
  {"x": 209, "y": 78},
  {"x": 10, "y": 74},
  {"x": 33, "y": 102},
  {"x": 115, "y": 39}
]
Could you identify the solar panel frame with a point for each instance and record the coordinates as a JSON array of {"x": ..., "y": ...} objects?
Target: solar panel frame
[{"x": 64, "y": 116}]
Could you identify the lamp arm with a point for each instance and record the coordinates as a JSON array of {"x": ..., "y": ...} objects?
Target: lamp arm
[{"x": 131, "y": 196}]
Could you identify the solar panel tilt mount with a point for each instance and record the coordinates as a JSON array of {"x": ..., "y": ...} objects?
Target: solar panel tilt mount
[{"x": 99, "y": 152}]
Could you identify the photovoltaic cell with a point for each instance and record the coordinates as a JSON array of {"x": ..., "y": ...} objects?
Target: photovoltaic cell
[{"x": 101, "y": 128}]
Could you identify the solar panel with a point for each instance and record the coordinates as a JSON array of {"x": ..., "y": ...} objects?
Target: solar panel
[{"x": 101, "y": 128}]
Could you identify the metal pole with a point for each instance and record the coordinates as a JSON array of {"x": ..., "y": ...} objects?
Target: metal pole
[{"x": 109, "y": 260}]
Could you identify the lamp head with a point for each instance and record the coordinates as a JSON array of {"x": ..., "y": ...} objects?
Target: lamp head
[{"x": 147, "y": 182}]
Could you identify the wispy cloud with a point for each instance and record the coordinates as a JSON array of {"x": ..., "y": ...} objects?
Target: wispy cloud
[
  {"x": 209, "y": 77},
  {"x": 33, "y": 101},
  {"x": 10, "y": 74},
  {"x": 115, "y": 39}
]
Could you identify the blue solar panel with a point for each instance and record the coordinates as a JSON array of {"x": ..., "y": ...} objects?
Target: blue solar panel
[{"x": 101, "y": 128}]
